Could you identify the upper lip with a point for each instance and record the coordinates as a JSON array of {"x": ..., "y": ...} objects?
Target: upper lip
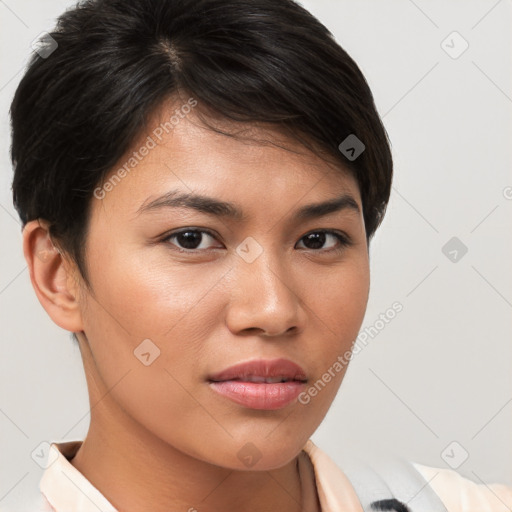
[{"x": 262, "y": 368}]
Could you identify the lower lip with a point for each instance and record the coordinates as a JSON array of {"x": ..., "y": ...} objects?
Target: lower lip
[{"x": 259, "y": 395}]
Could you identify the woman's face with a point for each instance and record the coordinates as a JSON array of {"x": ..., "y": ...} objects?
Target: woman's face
[{"x": 166, "y": 312}]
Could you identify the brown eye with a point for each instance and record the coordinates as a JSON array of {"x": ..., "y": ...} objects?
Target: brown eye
[
  {"x": 190, "y": 239},
  {"x": 317, "y": 239}
]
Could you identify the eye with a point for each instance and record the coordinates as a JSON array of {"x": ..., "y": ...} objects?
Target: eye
[
  {"x": 316, "y": 239},
  {"x": 190, "y": 239}
]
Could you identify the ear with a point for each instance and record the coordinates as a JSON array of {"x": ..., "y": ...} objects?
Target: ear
[{"x": 53, "y": 276}]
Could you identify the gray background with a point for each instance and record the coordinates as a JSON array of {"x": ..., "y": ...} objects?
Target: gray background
[{"x": 441, "y": 370}]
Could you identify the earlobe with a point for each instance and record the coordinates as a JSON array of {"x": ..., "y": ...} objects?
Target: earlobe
[{"x": 52, "y": 276}]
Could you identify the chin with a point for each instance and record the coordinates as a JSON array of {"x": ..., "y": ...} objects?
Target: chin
[{"x": 262, "y": 455}]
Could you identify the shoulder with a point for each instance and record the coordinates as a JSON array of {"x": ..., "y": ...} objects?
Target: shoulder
[{"x": 460, "y": 494}]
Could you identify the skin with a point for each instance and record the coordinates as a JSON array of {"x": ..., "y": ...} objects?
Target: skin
[{"x": 158, "y": 433}]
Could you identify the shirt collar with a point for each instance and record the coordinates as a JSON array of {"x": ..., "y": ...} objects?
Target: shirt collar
[
  {"x": 335, "y": 491},
  {"x": 66, "y": 488}
]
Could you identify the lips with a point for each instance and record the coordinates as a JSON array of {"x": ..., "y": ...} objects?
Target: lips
[
  {"x": 262, "y": 371},
  {"x": 260, "y": 384}
]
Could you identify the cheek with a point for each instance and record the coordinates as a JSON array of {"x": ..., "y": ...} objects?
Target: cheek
[
  {"x": 145, "y": 309},
  {"x": 145, "y": 374},
  {"x": 148, "y": 294},
  {"x": 337, "y": 306},
  {"x": 339, "y": 300}
]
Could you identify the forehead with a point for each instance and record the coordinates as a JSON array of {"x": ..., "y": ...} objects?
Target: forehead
[{"x": 259, "y": 162}]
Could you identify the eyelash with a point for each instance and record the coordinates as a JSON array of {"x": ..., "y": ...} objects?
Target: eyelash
[{"x": 344, "y": 240}]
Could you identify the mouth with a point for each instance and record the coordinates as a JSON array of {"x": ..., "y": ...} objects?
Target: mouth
[
  {"x": 261, "y": 384},
  {"x": 262, "y": 370}
]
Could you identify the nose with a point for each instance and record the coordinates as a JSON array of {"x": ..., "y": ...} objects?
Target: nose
[{"x": 265, "y": 298}]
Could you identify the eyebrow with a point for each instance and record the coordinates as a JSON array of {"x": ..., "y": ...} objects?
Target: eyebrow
[{"x": 225, "y": 209}]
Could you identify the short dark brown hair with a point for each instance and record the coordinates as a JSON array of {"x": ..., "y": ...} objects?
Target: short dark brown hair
[{"x": 111, "y": 63}]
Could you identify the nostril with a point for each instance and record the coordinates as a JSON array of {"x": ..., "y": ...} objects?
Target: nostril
[{"x": 391, "y": 505}]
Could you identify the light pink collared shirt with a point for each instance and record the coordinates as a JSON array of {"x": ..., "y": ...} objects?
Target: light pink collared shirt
[{"x": 325, "y": 487}]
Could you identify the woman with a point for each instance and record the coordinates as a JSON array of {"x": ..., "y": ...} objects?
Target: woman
[{"x": 199, "y": 182}]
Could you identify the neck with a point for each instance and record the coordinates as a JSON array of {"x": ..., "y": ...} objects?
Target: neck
[
  {"x": 133, "y": 468},
  {"x": 134, "y": 471}
]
